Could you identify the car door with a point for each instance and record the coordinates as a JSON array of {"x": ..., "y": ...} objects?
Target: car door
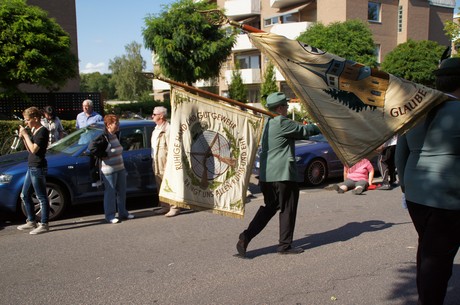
[{"x": 137, "y": 159}]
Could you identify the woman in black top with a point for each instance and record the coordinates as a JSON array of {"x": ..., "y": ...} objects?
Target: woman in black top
[{"x": 35, "y": 179}]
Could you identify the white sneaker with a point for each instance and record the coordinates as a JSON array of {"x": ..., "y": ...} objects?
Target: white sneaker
[
  {"x": 42, "y": 228},
  {"x": 96, "y": 184},
  {"x": 29, "y": 225},
  {"x": 130, "y": 216},
  {"x": 115, "y": 220}
]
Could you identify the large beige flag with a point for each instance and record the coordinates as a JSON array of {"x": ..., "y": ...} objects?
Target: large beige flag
[
  {"x": 211, "y": 150},
  {"x": 357, "y": 108}
]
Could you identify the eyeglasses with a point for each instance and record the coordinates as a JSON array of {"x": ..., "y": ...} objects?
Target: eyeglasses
[{"x": 156, "y": 114}]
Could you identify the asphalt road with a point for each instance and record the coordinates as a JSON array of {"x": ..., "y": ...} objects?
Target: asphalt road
[{"x": 359, "y": 250}]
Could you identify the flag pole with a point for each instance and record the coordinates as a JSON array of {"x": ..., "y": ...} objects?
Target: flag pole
[
  {"x": 217, "y": 17},
  {"x": 213, "y": 95}
]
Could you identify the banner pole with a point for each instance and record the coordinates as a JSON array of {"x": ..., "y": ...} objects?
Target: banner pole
[{"x": 216, "y": 96}]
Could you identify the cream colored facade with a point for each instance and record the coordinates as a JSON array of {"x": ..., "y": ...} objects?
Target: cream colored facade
[{"x": 394, "y": 22}]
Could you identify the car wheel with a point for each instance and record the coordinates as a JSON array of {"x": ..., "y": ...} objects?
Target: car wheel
[
  {"x": 57, "y": 199},
  {"x": 316, "y": 172}
]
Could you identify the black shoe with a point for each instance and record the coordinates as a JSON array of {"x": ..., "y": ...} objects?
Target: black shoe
[
  {"x": 384, "y": 187},
  {"x": 338, "y": 189},
  {"x": 358, "y": 190},
  {"x": 241, "y": 245},
  {"x": 291, "y": 251}
]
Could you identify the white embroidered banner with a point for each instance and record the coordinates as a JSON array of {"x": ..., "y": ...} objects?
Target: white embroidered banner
[
  {"x": 357, "y": 108},
  {"x": 211, "y": 151}
]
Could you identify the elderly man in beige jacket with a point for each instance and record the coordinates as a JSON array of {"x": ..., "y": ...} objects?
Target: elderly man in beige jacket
[{"x": 160, "y": 141}]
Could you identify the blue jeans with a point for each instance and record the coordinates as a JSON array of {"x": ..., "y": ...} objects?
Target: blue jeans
[
  {"x": 115, "y": 195},
  {"x": 36, "y": 181}
]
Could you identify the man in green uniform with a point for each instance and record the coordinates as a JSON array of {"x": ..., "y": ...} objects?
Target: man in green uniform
[{"x": 278, "y": 175}]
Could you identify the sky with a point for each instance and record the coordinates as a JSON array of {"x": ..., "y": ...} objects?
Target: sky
[{"x": 105, "y": 27}]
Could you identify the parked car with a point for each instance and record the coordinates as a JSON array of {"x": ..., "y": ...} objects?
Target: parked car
[
  {"x": 68, "y": 180},
  {"x": 316, "y": 161}
]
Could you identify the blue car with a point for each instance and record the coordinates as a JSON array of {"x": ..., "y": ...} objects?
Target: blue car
[
  {"x": 68, "y": 180},
  {"x": 316, "y": 161}
]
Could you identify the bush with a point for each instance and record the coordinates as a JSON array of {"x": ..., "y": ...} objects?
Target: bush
[{"x": 7, "y": 128}]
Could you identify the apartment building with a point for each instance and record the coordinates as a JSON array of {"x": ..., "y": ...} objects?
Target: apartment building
[
  {"x": 64, "y": 12},
  {"x": 391, "y": 21}
]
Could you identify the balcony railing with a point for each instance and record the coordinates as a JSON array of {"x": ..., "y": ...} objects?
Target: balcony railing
[
  {"x": 242, "y": 43},
  {"x": 291, "y": 30},
  {"x": 242, "y": 8},
  {"x": 159, "y": 85},
  {"x": 249, "y": 76},
  {"x": 443, "y": 3},
  {"x": 285, "y": 3}
]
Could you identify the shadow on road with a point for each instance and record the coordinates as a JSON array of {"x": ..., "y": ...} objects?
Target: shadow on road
[
  {"x": 81, "y": 211},
  {"x": 405, "y": 286},
  {"x": 346, "y": 232}
]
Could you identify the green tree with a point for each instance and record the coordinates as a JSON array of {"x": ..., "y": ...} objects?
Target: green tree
[
  {"x": 269, "y": 84},
  {"x": 351, "y": 39},
  {"x": 452, "y": 30},
  {"x": 236, "y": 89},
  {"x": 34, "y": 49},
  {"x": 414, "y": 61},
  {"x": 97, "y": 82},
  {"x": 127, "y": 77},
  {"x": 187, "y": 45}
]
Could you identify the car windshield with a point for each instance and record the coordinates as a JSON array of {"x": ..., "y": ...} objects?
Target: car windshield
[{"x": 76, "y": 140}]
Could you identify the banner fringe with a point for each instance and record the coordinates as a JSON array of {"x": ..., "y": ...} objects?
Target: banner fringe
[{"x": 200, "y": 208}]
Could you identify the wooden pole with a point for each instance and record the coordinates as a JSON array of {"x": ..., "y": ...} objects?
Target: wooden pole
[{"x": 213, "y": 95}]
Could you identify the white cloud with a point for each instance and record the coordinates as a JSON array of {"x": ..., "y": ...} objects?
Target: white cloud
[{"x": 91, "y": 68}]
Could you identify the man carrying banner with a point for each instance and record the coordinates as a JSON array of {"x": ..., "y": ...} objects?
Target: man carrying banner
[
  {"x": 278, "y": 175},
  {"x": 159, "y": 141}
]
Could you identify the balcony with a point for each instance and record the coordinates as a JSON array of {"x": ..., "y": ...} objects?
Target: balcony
[
  {"x": 206, "y": 83},
  {"x": 284, "y": 3},
  {"x": 159, "y": 85},
  {"x": 278, "y": 76},
  {"x": 443, "y": 3},
  {"x": 291, "y": 30},
  {"x": 241, "y": 8},
  {"x": 242, "y": 44},
  {"x": 249, "y": 76}
]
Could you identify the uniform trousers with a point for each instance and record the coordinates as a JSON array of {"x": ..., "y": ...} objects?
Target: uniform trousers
[
  {"x": 282, "y": 196},
  {"x": 386, "y": 163},
  {"x": 438, "y": 242}
]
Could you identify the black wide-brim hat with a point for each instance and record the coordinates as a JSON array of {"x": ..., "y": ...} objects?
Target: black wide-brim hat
[{"x": 450, "y": 66}]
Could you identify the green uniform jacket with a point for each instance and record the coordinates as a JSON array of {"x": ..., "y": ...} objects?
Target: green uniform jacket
[
  {"x": 277, "y": 157},
  {"x": 428, "y": 159}
]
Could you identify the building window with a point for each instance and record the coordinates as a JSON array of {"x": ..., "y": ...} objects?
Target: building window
[
  {"x": 248, "y": 61},
  {"x": 373, "y": 11},
  {"x": 271, "y": 21},
  {"x": 400, "y": 18},
  {"x": 288, "y": 18},
  {"x": 377, "y": 53}
]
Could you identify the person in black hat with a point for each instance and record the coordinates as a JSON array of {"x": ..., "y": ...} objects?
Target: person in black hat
[
  {"x": 277, "y": 175},
  {"x": 428, "y": 164}
]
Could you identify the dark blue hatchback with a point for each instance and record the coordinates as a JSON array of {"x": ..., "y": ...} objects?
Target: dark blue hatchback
[{"x": 68, "y": 180}]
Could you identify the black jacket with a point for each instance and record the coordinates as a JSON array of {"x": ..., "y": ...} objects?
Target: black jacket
[{"x": 98, "y": 146}]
